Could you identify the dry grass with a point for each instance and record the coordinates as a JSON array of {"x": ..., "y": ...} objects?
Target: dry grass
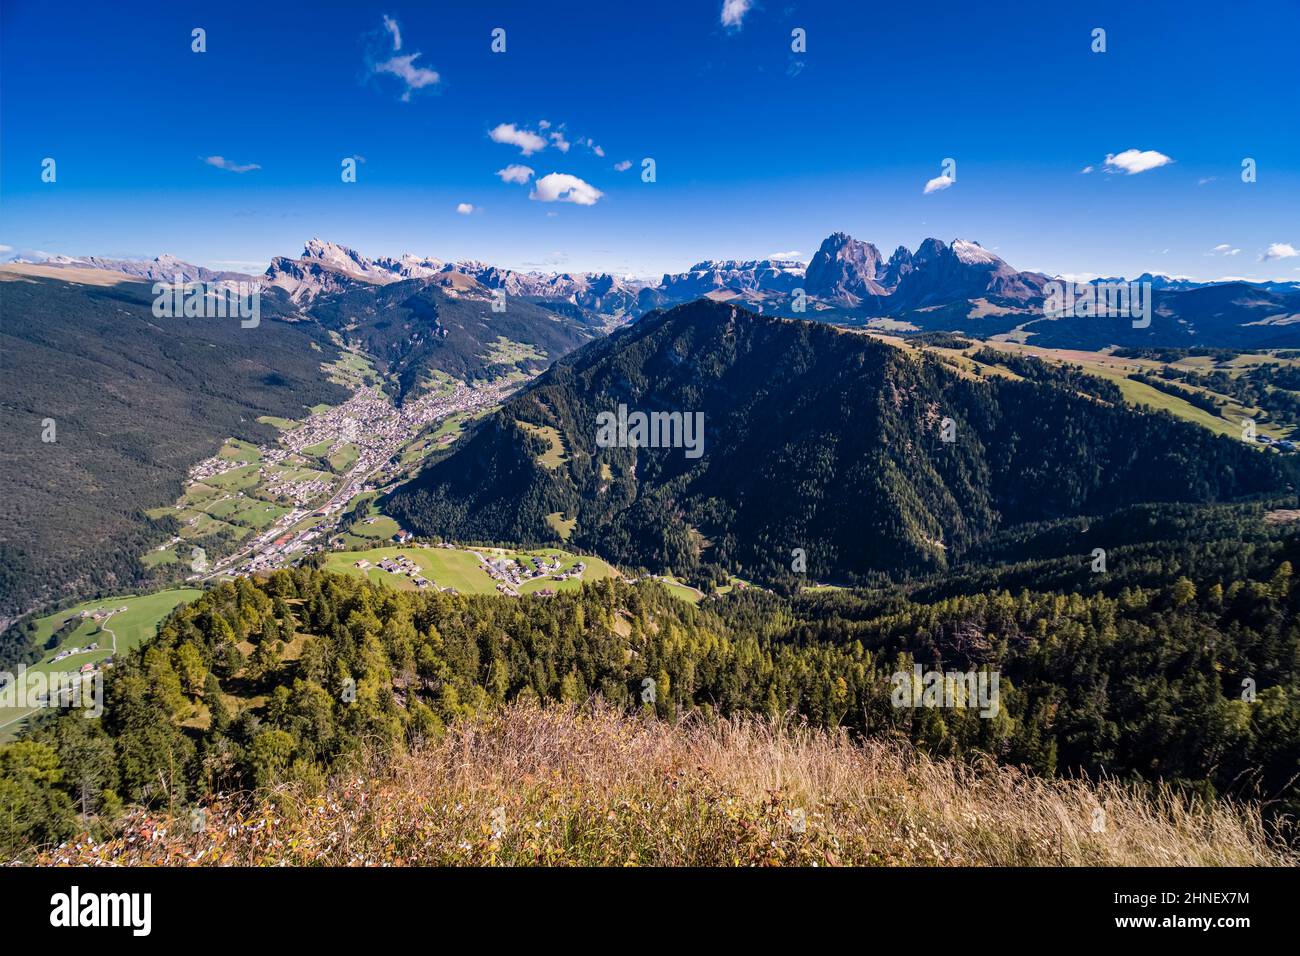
[
  {"x": 563, "y": 786},
  {"x": 25, "y": 271}
]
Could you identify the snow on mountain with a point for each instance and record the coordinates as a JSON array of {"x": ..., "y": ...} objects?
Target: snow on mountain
[{"x": 972, "y": 253}]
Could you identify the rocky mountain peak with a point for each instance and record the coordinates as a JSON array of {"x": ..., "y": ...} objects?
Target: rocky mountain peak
[{"x": 844, "y": 270}]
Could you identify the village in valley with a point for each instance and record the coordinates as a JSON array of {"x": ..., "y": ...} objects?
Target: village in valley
[
  {"x": 253, "y": 507},
  {"x": 258, "y": 507},
  {"x": 472, "y": 570}
]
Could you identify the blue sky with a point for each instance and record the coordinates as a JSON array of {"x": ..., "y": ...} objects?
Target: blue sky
[{"x": 758, "y": 149}]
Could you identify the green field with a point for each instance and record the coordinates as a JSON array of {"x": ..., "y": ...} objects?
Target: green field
[
  {"x": 554, "y": 456},
  {"x": 446, "y": 568},
  {"x": 204, "y": 525},
  {"x": 682, "y": 591},
  {"x": 734, "y": 583},
  {"x": 560, "y": 525},
  {"x": 198, "y": 493},
  {"x": 343, "y": 456},
  {"x": 236, "y": 450},
  {"x": 339, "y": 455},
  {"x": 460, "y": 569},
  {"x": 352, "y": 370},
  {"x": 1114, "y": 369},
  {"x": 284, "y": 424},
  {"x": 381, "y": 528},
  {"x": 439, "y": 382},
  {"x": 237, "y": 479},
  {"x": 452, "y": 425},
  {"x": 130, "y": 627},
  {"x": 155, "y": 559},
  {"x": 291, "y": 473},
  {"x": 251, "y": 512},
  {"x": 505, "y": 352},
  {"x": 433, "y": 439}
]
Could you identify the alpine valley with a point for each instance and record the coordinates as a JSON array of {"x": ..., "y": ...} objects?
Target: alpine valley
[
  {"x": 413, "y": 456},
  {"x": 822, "y": 386},
  {"x": 396, "y": 482}
]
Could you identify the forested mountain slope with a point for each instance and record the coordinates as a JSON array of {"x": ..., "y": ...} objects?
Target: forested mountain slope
[
  {"x": 290, "y": 678},
  {"x": 418, "y": 327},
  {"x": 135, "y": 400},
  {"x": 814, "y": 438}
]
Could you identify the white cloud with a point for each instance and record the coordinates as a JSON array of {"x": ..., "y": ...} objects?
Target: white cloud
[
  {"x": 391, "y": 26},
  {"x": 1134, "y": 161},
  {"x": 733, "y": 12},
  {"x": 1279, "y": 250},
  {"x": 938, "y": 183},
  {"x": 464, "y": 208},
  {"x": 1224, "y": 249},
  {"x": 1086, "y": 170},
  {"x": 534, "y": 140},
  {"x": 1207, "y": 179},
  {"x": 404, "y": 68},
  {"x": 222, "y": 163},
  {"x": 561, "y": 187},
  {"x": 792, "y": 254},
  {"x": 515, "y": 173},
  {"x": 624, "y": 166},
  {"x": 527, "y": 141},
  {"x": 379, "y": 59}
]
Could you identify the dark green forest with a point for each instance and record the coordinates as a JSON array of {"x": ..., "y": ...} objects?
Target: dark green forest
[{"x": 815, "y": 438}]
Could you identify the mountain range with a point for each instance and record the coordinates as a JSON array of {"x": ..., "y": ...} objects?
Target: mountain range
[{"x": 956, "y": 286}]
